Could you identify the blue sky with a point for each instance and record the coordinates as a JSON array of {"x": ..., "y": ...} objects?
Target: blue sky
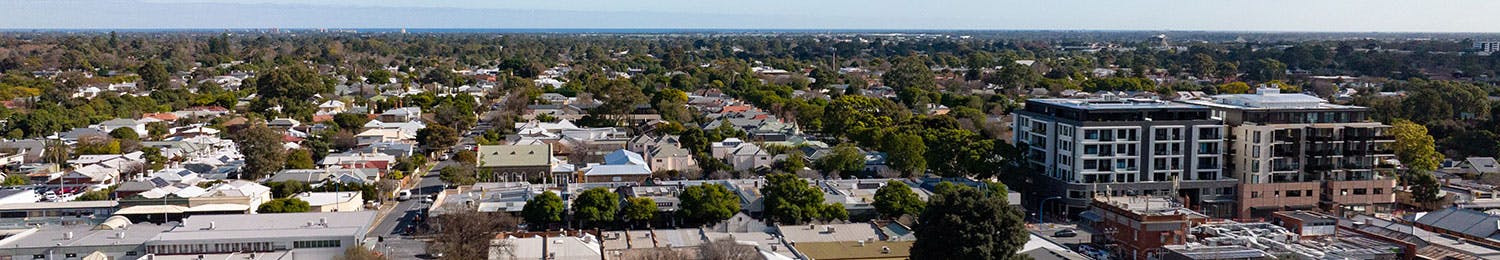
[{"x": 1265, "y": 15}]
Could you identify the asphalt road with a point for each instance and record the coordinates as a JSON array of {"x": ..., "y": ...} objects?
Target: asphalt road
[{"x": 397, "y": 244}]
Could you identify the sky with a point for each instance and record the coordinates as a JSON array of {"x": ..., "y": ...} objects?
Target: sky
[{"x": 1153, "y": 15}]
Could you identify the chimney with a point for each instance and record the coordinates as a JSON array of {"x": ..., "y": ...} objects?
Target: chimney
[{"x": 68, "y": 236}]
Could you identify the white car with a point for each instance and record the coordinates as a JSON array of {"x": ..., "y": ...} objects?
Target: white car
[{"x": 403, "y": 195}]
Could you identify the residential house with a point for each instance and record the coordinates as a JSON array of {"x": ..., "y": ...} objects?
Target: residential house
[
  {"x": 332, "y": 107},
  {"x": 403, "y": 114},
  {"x": 619, "y": 166},
  {"x": 356, "y": 160},
  {"x": 519, "y": 163}
]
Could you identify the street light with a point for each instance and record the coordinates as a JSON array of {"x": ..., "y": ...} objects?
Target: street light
[{"x": 1041, "y": 209}]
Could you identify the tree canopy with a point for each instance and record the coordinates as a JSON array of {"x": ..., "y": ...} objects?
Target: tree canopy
[
  {"x": 708, "y": 203},
  {"x": 965, "y": 223},
  {"x": 596, "y": 206},
  {"x": 543, "y": 209}
]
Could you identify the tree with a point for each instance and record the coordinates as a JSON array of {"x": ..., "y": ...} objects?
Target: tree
[
  {"x": 282, "y": 189},
  {"x": 458, "y": 175},
  {"x": 284, "y": 205},
  {"x": 832, "y": 212},
  {"x": 543, "y": 209},
  {"x": 595, "y": 206},
  {"x": 97, "y": 195},
  {"x": 619, "y": 98},
  {"x": 795, "y": 161},
  {"x": 124, "y": 133},
  {"x": 1424, "y": 187},
  {"x": 154, "y": 159},
  {"x": 157, "y": 130},
  {"x": 437, "y": 137},
  {"x": 1265, "y": 69},
  {"x": 896, "y": 199},
  {"x": 360, "y": 253},
  {"x": 708, "y": 203},
  {"x": 728, "y": 249},
  {"x": 466, "y": 234},
  {"x": 909, "y": 72},
  {"x": 906, "y": 153},
  {"x": 790, "y": 200},
  {"x": 15, "y": 180},
  {"x": 350, "y": 121},
  {"x": 964, "y": 223},
  {"x": 300, "y": 159},
  {"x": 1414, "y": 147},
  {"x": 153, "y": 75},
  {"x": 264, "y": 153},
  {"x": 845, "y": 158},
  {"x": 639, "y": 209},
  {"x": 1234, "y": 88}
]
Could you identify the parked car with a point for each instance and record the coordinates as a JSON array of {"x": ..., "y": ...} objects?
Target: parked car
[
  {"x": 403, "y": 195},
  {"x": 1065, "y": 233}
]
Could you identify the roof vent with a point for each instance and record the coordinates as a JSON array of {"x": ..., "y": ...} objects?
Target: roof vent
[{"x": 885, "y": 250}]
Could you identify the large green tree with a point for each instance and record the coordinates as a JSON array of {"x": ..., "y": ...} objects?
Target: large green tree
[
  {"x": 543, "y": 209},
  {"x": 896, "y": 199},
  {"x": 906, "y": 153},
  {"x": 708, "y": 203},
  {"x": 437, "y": 137},
  {"x": 965, "y": 223},
  {"x": 1414, "y": 147},
  {"x": 264, "y": 153},
  {"x": 844, "y": 159},
  {"x": 790, "y": 200},
  {"x": 638, "y": 209},
  {"x": 154, "y": 75},
  {"x": 596, "y": 206},
  {"x": 284, "y": 205}
]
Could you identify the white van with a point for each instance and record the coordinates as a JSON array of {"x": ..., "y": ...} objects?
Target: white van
[{"x": 403, "y": 195}]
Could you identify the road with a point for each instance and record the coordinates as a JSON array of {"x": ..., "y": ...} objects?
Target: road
[{"x": 392, "y": 227}]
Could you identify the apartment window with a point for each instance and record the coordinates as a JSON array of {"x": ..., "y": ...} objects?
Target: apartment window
[
  {"x": 1254, "y": 194},
  {"x": 1091, "y": 134},
  {"x": 1343, "y": 192},
  {"x": 1378, "y": 190},
  {"x": 1254, "y": 153},
  {"x": 1255, "y": 137},
  {"x": 1255, "y": 167},
  {"x": 1293, "y": 193},
  {"x": 1359, "y": 191},
  {"x": 1276, "y": 194},
  {"x": 1208, "y": 148},
  {"x": 1075, "y": 194},
  {"x": 1090, "y": 164},
  {"x": 70, "y": 255},
  {"x": 1091, "y": 149},
  {"x": 38, "y": 256}
]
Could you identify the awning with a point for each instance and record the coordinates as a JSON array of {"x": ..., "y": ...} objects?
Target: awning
[{"x": 1091, "y": 216}]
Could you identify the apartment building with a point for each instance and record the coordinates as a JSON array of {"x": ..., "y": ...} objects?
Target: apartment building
[
  {"x": 1296, "y": 151},
  {"x": 1117, "y": 147}
]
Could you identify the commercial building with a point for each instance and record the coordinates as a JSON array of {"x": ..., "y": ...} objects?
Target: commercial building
[
  {"x": 1124, "y": 147},
  {"x": 115, "y": 240},
  {"x": 1296, "y": 151},
  {"x": 306, "y": 235},
  {"x": 1139, "y": 227}
]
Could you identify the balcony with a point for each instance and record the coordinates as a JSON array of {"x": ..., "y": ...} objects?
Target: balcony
[
  {"x": 1320, "y": 167},
  {"x": 1324, "y": 152},
  {"x": 1322, "y": 138},
  {"x": 1358, "y": 166},
  {"x": 1286, "y": 138},
  {"x": 1289, "y": 167}
]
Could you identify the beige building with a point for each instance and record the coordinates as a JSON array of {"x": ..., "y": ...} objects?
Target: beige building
[
  {"x": 1296, "y": 151},
  {"x": 514, "y": 163},
  {"x": 344, "y": 201}
]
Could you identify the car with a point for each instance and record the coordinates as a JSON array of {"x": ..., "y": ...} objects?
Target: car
[
  {"x": 403, "y": 195},
  {"x": 1065, "y": 233}
]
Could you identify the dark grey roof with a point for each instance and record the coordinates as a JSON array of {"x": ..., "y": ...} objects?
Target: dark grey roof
[
  {"x": 1484, "y": 164},
  {"x": 1467, "y": 221}
]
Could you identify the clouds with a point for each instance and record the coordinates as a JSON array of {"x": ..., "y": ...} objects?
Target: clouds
[{"x": 1268, "y": 15}]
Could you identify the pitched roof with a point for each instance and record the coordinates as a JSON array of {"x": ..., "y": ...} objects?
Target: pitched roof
[
  {"x": 515, "y": 155},
  {"x": 1483, "y": 164},
  {"x": 623, "y": 157},
  {"x": 1467, "y": 221}
]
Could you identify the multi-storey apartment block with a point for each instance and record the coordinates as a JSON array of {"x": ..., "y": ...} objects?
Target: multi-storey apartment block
[
  {"x": 1123, "y": 147},
  {"x": 1296, "y": 151}
]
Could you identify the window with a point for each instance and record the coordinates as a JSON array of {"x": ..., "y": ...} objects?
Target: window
[
  {"x": 1378, "y": 190},
  {"x": 1091, "y": 149},
  {"x": 38, "y": 256},
  {"x": 1255, "y": 194},
  {"x": 1255, "y": 137},
  {"x": 70, "y": 255},
  {"x": 1293, "y": 193},
  {"x": 1359, "y": 191},
  {"x": 1091, "y": 134},
  {"x": 316, "y": 244}
]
